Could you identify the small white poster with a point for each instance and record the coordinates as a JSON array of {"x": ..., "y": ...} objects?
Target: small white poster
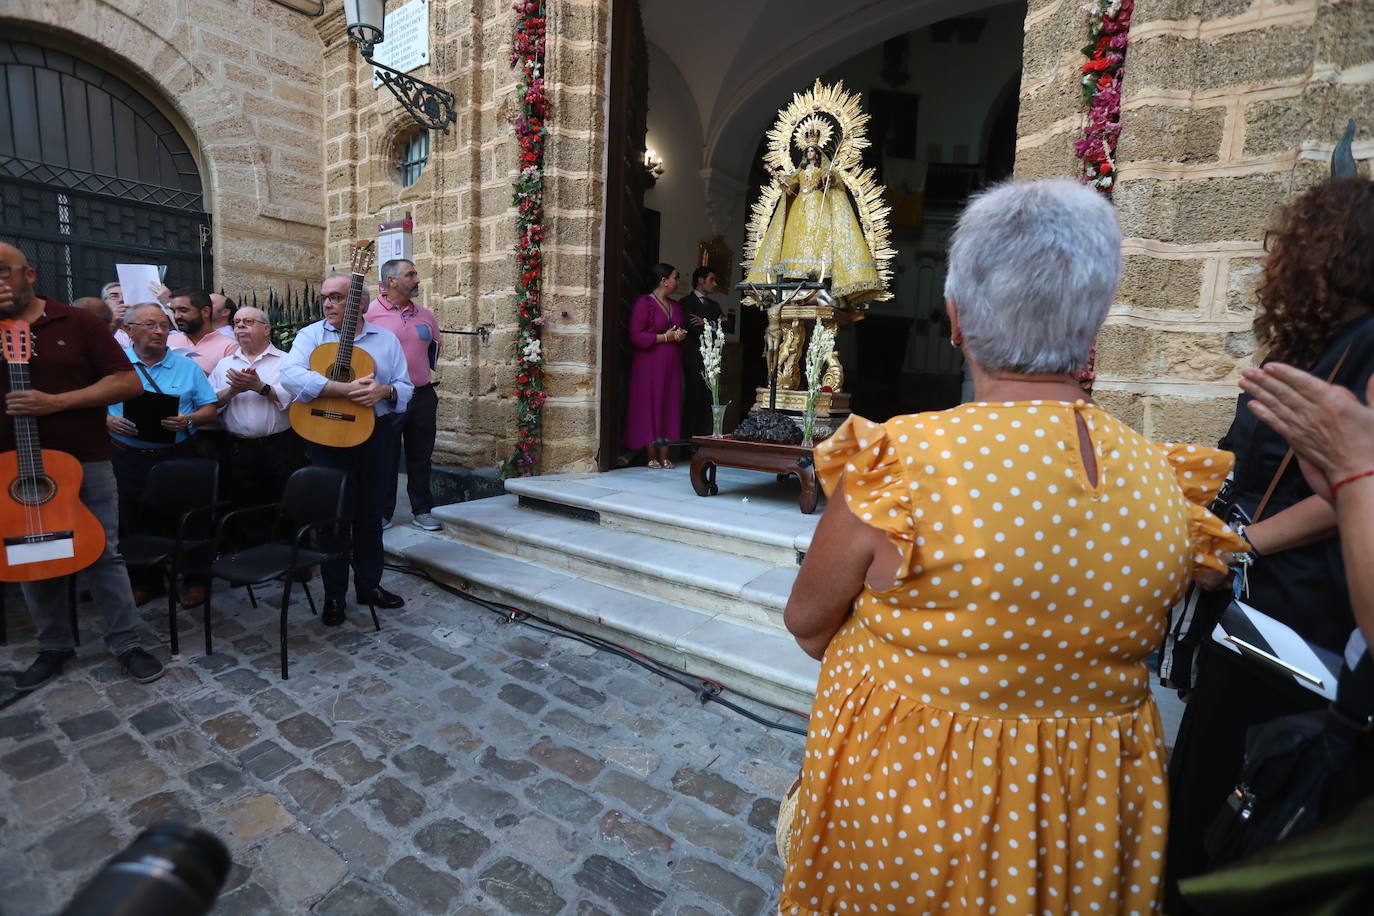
[
  {"x": 138, "y": 282},
  {"x": 405, "y": 39}
]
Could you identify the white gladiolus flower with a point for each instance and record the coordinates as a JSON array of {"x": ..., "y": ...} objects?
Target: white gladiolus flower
[
  {"x": 817, "y": 351},
  {"x": 712, "y": 344}
]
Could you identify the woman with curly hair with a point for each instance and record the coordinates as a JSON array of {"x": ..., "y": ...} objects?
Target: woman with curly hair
[{"x": 1316, "y": 312}]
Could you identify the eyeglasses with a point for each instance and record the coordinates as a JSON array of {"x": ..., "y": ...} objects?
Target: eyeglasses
[
  {"x": 150, "y": 325},
  {"x": 5, "y": 270},
  {"x": 334, "y": 297},
  {"x": 245, "y": 322}
]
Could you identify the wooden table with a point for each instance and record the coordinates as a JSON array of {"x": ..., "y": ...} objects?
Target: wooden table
[{"x": 782, "y": 460}]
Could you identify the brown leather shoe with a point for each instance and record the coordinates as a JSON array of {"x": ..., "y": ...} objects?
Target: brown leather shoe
[
  {"x": 193, "y": 596},
  {"x": 142, "y": 597}
]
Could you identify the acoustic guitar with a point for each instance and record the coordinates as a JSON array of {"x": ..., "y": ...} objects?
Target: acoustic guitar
[
  {"x": 46, "y": 530},
  {"x": 337, "y": 421}
]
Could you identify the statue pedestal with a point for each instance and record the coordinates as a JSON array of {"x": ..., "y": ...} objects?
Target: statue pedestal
[
  {"x": 792, "y": 401},
  {"x": 782, "y": 460}
]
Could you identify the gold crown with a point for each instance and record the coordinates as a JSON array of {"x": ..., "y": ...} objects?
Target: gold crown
[{"x": 813, "y": 131}]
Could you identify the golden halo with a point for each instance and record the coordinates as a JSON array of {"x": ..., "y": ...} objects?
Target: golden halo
[{"x": 812, "y": 131}]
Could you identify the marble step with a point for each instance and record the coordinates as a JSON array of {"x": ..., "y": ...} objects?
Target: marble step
[
  {"x": 711, "y": 580},
  {"x": 759, "y": 662},
  {"x": 754, "y": 515}
]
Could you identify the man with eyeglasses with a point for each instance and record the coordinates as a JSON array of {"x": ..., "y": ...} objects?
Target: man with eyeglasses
[
  {"x": 76, "y": 370},
  {"x": 262, "y": 449},
  {"x": 387, "y": 391}
]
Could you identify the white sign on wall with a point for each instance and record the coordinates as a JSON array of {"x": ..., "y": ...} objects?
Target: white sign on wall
[{"x": 405, "y": 41}]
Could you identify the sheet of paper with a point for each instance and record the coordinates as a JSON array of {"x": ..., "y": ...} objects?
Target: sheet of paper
[
  {"x": 134, "y": 280},
  {"x": 1280, "y": 641}
]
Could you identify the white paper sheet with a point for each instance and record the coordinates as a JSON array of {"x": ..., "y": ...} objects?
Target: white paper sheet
[
  {"x": 1286, "y": 645},
  {"x": 134, "y": 280}
]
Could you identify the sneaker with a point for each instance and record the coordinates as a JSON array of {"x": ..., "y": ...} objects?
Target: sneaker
[
  {"x": 427, "y": 522},
  {"x": 386, "y": 523},
  {"x": 140, "y": 665},
  {"x": 47, "y": 666}
]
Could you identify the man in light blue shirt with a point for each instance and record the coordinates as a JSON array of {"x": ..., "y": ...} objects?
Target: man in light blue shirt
[
  {"x": 162, "y": 372},
  {"x": 387, "y": 391}
]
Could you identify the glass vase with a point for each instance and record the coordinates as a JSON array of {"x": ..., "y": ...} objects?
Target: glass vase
[
  {"x": 809, "y": 423},
  {"x": 718, "y": 420}
]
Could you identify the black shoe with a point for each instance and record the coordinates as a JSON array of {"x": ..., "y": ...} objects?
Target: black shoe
[
  {"x": 47, "y": 666},
  {"x": 333, "y": 615},
  {"x": 140, "y": 665},
  {"x": 381, "y": 598}
]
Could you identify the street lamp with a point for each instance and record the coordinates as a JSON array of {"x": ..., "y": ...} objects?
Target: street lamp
[{"x": 429, "y": 105}]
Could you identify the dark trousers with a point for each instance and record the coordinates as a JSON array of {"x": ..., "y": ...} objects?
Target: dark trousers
[
  {"x": 131, "y": 471},
  {"x": 256, "y": 471},
  {"x": 696, "y": 401},
  {"x": 1230, "y": 697},
  {"x": 364, "y": 497},
  {"x": 415, "y": 428}
]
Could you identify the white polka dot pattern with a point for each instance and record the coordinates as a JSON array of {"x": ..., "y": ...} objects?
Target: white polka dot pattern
[{"x": 983, "y": 738}]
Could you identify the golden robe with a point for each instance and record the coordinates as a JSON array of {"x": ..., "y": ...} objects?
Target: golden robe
[{"x": 816, "y": 235}]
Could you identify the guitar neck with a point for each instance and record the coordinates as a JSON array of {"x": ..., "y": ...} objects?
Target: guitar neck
[
  {"x": 25, "y": 427},
  {"x": 349, "y": 328}
]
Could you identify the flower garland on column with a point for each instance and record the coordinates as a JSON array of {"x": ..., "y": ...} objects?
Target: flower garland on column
[
  {"x": 528, "y": 55},
  {"x": 1102, "y": 74}
]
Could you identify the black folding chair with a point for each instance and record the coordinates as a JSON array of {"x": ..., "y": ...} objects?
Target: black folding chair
[
  {"x": 176, "y": 525},
  {"x": 311, "y": 506}
]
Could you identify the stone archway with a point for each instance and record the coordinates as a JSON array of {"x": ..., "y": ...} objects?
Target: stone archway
[{"x": 243, "y": 86}]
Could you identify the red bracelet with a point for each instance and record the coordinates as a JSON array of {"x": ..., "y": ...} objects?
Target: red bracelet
[{"x": 1353, "y": 477}]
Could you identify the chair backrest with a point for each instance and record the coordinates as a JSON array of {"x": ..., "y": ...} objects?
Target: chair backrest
[
  {"x": 177, "y": 485},
  {"x": 314, "y": 495}
]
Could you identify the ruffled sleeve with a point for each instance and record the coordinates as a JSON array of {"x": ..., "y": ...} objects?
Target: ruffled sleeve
[
  {"x": 1201, "y": 471},
  {"x": 875, "y": 487}
]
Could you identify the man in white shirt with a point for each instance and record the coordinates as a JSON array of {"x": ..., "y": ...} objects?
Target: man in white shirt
[
  {"x": 387, "y": 391},
  {"x": 262, "y": 450},
  {"x": 222, "y": 311}
]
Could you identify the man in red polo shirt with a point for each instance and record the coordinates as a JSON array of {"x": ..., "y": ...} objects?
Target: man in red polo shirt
[{"x": 77, "y": 370}]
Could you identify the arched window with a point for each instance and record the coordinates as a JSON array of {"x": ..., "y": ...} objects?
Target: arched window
[{"x": 92, "y": 174}]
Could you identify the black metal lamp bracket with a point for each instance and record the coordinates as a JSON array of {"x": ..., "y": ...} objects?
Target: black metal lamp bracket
[{"x": 429, "y": 105}]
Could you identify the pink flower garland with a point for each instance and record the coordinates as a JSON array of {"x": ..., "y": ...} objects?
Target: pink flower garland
[
  {"x": 530, "y": 125},
  {"x": 1102, "y": 75}
]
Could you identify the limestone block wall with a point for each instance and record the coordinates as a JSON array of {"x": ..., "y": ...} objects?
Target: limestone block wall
[
  {"x": 1230, "y": 109},
  {"x": 464, "y": 221},
  {"x": 243, "y": 78}
]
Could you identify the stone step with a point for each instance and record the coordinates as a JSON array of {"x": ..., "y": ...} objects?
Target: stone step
[
  {"x": 754, "y": 661},
  {"x": 754, "y": 515},
  {"x": 712, "y": 580}
]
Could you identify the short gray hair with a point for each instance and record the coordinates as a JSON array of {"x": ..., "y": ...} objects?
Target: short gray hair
[
  {"x": 1032, "y": 270},
  {"x": 105, "y": 290},
  {"x": 392, "y": 269}
]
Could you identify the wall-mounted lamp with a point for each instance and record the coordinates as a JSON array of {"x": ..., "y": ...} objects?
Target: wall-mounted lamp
[
  {"x": 429, "y": 105},
  {"x": 653, "y": 166}
]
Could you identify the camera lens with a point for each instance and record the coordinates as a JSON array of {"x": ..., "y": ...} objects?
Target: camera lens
[{"x": 169, "y": 869}]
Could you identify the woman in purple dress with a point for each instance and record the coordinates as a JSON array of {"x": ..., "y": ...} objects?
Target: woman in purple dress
[{"x": 657, "y": 328}]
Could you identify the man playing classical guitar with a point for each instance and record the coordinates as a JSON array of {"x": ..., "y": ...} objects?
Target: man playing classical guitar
[
  {"x": 386, "y": 391},
  {"x": 77, "y": 370}
]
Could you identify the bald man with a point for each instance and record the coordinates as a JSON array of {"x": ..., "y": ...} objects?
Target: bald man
[{"x": 77, "y": 370}]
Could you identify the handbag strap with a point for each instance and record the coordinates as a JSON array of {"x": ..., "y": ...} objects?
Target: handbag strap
[
  {"x": 158, "y": 388},
  {"x": 1288, "y": 456}
]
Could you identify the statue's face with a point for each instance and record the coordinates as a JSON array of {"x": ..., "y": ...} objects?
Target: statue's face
[{"x": 813, "y": 155}]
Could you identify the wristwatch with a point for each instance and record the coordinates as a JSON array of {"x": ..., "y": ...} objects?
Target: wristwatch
[
  {"x": 391, "y": 395},
  {"x": 265, "y": 390}
]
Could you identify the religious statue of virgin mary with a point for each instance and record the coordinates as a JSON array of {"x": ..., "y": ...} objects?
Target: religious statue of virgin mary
[{"x": 823, "y": 218}]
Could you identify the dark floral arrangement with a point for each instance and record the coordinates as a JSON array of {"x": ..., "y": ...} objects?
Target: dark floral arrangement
[
  {"x": 528, "y": 55},
  {"x": 1102, "y": 75}
]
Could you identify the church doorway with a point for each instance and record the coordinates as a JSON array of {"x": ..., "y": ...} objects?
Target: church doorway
[{"x": 93, "y": 174}]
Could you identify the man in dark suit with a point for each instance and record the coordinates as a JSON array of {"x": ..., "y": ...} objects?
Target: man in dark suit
[{"x": 699, "y": 309}]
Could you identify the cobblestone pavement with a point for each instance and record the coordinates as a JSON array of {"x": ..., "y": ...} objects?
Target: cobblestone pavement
[{"x": 452, "y": 763}]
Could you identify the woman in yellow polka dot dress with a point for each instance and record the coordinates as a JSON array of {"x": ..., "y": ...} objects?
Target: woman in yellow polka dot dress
[{"x": 983, "y": 589}]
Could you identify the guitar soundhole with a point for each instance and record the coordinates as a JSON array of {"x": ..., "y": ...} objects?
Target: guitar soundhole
[
  {"x": 341, "y": 373},
  {"x": 32, "y": 491}
]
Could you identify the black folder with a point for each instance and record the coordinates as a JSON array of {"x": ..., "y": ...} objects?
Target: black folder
[{"x": 148, "y": 410}]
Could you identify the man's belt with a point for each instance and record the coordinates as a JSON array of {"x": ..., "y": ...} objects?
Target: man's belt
[
  {"x": 123, "y": 446},
  {"x": 261, "y": 441}
]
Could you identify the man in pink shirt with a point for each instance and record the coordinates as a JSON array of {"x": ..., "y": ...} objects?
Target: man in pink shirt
[
  {"x": 418, "y": 330},
  {"x": 195, "y": 337}
]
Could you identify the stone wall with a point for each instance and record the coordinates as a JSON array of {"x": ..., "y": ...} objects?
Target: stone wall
[
  {"x": 242, "y": 79},
  {"x": 1230, "y": 110},
  {"x": 464, "y": 222}
]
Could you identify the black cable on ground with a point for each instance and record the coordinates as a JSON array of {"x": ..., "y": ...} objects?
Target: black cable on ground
[{"x": 705, "y": 690}]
